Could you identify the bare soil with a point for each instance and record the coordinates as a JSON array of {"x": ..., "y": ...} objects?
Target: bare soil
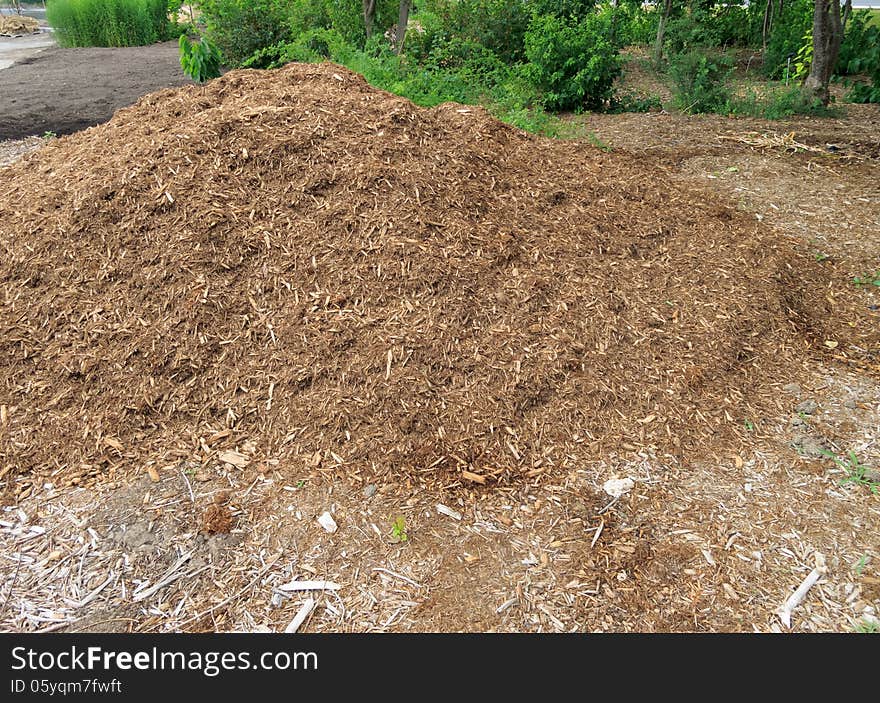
[
  {"x": 196, "y": 518},
  {"x": 66, "y": 90}
]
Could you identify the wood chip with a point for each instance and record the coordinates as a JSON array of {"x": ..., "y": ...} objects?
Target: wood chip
[{"x": 305, "y": 610}]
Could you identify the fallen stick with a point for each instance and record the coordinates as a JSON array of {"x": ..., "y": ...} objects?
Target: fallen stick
[
  {"x": 795, "y": 598},
  {"x": 301, "y": 616},
  {"x": 170, "y": 576},
  {"x": 225, "y": 601},
  {"x": 309, "y": 586}
]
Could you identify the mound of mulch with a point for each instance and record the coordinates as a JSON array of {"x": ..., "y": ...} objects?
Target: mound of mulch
[
  {"x": 16, "y": 25},
  {"x": 293, "y": 266}
]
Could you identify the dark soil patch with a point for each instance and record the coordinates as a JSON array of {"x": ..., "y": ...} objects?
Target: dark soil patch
[{"x": 66, "y": 90}]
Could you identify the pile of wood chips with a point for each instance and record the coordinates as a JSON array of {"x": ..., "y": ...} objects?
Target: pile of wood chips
[
  {"x": 330, "y": 277},
  {"x": 17, "y": 25}
]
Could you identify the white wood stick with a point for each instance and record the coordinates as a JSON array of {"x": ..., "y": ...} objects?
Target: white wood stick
[
  {"x": 301, "y": 616},
  {"x": 795, "y": 598},
  {"x": 309, "y": 586},
  {"x": 171, "y": 575}
]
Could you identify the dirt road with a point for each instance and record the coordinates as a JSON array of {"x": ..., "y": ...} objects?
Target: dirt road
[{"x": 65, "y": 90}]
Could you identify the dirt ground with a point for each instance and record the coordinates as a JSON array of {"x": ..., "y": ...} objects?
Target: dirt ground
[
  {"x": 65, "y": 90},
  {"x": 718, "y": 545}
]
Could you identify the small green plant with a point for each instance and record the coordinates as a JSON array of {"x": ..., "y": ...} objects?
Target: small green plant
[
  {"x": 860, "y": 564},
  {"x": 398, "y": 529},
  {"x": 856, "y": 472},
  {"x": 749, "y": 425},
  {"x": 869, "y": 279},
  {"x": 200, "y": 60},
  {"x": 300, "y": 483},
  {"x": 820, "y": 257},
  {"x": 49, "y": 135},
  {"x": 597, "y": 142},
  {"x": 804, "y": 59},
  {"x": 867, "y": 627}
]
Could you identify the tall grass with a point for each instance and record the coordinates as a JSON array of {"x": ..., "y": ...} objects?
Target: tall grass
[{"x": 109, "y": 22}]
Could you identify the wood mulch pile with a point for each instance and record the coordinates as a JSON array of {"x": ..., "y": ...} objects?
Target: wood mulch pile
[
  {"x": 17, "y": 25},
  {"x": 292, "y": 268}
]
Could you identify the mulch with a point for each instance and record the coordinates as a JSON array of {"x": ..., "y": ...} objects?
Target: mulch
[
  {"x": 297, "y": 268},
  {"x": 16, "y": 25}
]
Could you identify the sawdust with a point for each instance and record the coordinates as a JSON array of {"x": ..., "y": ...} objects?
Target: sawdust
[{"x": 328, "y": 276}]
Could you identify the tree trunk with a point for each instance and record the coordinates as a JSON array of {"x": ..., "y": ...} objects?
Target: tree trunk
[
  {"x": 661, "y": 31},
  {"x": 827, "y": 35},
  {"x": 846, "y": 12},
  {"x": 768, "y": 23},
  {"x": 369, "y": 16},
  {"x": 402, "y": 21}
]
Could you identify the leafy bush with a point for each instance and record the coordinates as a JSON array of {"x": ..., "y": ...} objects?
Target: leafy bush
[
  {"x": 496, "y": 25},
  {"x": 860, "y": 39},
  {"x": 700, "y": 81},
  {"x": 787, "y": 36},
  {"x": 860, "y": 54},
  {"x": 109, "y": 22},
  {"x": 635, "y": 24},
  {"x": 200, "y": 60},
  {"x": 572, "y": 62},
  {"x": 241, "y": 27}
]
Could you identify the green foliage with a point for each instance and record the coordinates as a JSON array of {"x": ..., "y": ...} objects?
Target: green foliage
[
  {"x": 860, "y": 54},
  {"x": 240, "y": 28},
  {"x": 804, "y": 59},
  {"x": 573, "y": 62},
  {"x": 869, "y": 279},
  {"x": 398, "y": 529},
  {"x": 859, "y": 41},
  {"x": 635, "y": 24},
  {"x": 787, "y": 36},
  {"x": 856, "y": 472},
  {"x": 776, "y": 104},
  {"x": 594, "y": 139},
  {"x": 866, "y": 627},
  {"x": 200, "y": 60},
  {"x": 496, "y": 25},
  {"x": 632, "y": 102},
  {"x": 109, "y": 22},
  {"x": 713, "y": 26},
  {"x": 700, "y": 81}
]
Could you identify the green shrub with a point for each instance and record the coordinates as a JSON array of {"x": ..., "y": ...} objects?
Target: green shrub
[
  {"x": 572, "y": 62},
  {"x": 109, "y": 22},
  {"x": 200, "y": 60},
  {"x": 636, "y": 24},
  {"x": 700, "y": 81},
  {"x": 860, "y": 54},
  {"x": 634, "y": 102},
  {"x": 778, "y": 104},
  {"x": 240, "y": 28},
  {"x": 787, "y": 36},
  {"x": 496, "y": 25},
  {"x": 860, "y": 39}
]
